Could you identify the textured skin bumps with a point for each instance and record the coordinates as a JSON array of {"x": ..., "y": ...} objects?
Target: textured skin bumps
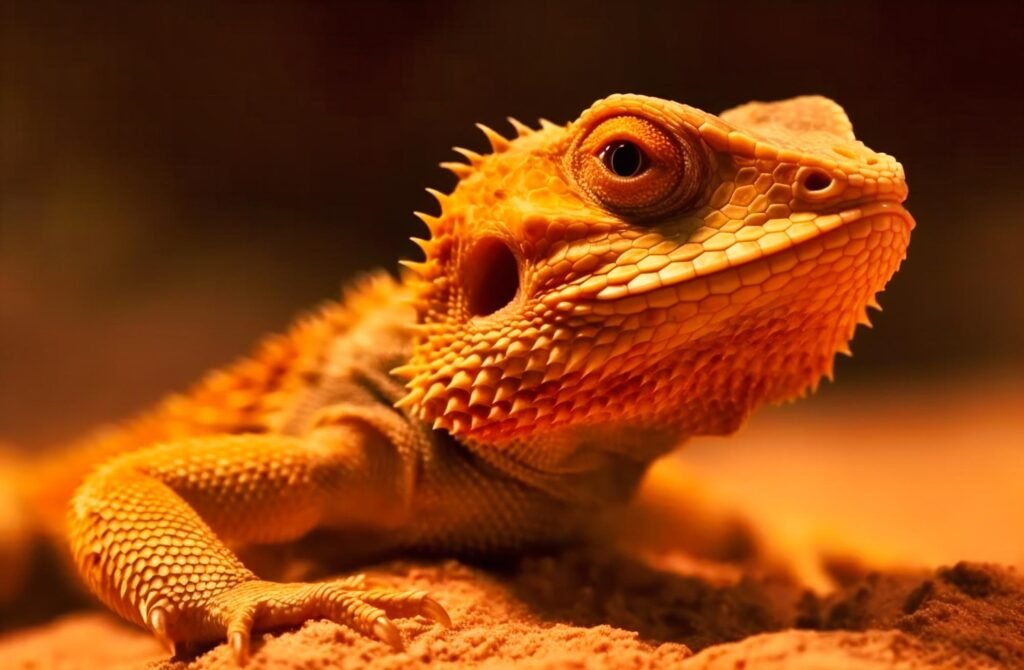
[
  {"x": 618, "y": 320},
  {"x": 578, "y": 313}
]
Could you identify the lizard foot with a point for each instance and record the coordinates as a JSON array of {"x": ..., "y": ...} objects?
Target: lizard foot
[{"x": 256, "y": 604}]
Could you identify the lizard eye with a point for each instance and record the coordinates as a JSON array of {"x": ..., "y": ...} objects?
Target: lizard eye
[
  {"x": 636, "y": 168},
  {"x": 624, "y": 158}
]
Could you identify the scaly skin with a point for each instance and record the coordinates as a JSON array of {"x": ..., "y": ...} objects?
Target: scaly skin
[{"x": 592, "y": 295}]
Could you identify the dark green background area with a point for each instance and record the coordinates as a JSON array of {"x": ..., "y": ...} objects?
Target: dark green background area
[{"x": 177, "y": 178}]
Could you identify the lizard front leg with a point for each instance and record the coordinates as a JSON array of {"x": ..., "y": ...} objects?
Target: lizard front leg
[{"x": 150, "y": 530}]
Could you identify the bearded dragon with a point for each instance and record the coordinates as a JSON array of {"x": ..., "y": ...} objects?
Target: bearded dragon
[{"x": 591, "y": 296}]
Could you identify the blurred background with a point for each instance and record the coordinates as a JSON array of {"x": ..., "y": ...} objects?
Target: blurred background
[{"x": 178, "y": 178}]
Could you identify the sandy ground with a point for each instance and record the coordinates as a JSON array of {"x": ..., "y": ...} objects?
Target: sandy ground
[
  {"x": 578, "y": 610},
  {"x": 926, "y": 481}
]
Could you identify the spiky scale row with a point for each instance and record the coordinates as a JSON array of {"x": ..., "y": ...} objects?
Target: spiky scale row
[
  {"x": 522, "y": 130},
  {"x": 473, "y": 157},
  {"x": 499, "y": 143}
]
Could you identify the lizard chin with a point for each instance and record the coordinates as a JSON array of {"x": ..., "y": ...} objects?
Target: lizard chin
[
  {"x": 776, "y": 341},
  {"x": 781, "y": 350}
]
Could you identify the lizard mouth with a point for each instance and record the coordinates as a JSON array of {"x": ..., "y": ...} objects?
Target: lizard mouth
[
  {"x": 857, "y": 211},
  {"x": 799, "y": 235}
]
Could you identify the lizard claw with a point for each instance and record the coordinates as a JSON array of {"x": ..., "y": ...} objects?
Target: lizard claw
[
  {"x": 158, "y": 624},
  {"x": 239, "y": 642},
  {"x": 387, "y": 632},
  {"x": 435, "y": 612},
  {"x": 406, "y": 604}
]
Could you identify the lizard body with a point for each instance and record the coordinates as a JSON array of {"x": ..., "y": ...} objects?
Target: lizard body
[{"x": 591, "y": 295}]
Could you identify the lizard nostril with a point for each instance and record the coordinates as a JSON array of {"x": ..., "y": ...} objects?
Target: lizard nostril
[
  {"x": 817, "y": 181},
  {"x": 490, "y": 276}
]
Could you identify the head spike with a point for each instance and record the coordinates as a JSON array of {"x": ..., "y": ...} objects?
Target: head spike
[
  {"x": 473, "y": 157},
  {"x": 459, "y": 425},
  {"x": 498, "y": 143},
  {"x": 436, "y": 390},
  {"x": 519, "y": 405},
  {"x": 596, "y": 359},
  {"x": 419, "y": 268},
  {"x": 543, "y": 409},
  {"x": 558, "y": 353},
  {"x": 546, "y": 124},
  {"x": 461, "y": 380},
  {"x": 504, "y": 392},
  {"x": 553, "y": 372},
  {"x": 488, "y": 377},
  {"x": 460, "y": 170},
  {"x": 481, "y": 396},
  {"x": 442, "y": 198},
  {"x": 455, "y": 405},
  {"x": 424, "y": 245},
  {"x": 522, "y": 129},
  {"x": 410, "y": 398},
  {"x": 432, "y": 222},
  {"x": 408, "y": 372}
]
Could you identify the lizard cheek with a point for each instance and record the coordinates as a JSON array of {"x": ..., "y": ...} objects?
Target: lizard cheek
[{"x": 490, "y": 276}]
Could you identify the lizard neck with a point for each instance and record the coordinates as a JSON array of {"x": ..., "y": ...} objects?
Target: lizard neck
[{"x": 599, "y": 465}]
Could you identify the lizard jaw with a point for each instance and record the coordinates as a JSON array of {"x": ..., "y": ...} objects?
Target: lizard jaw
[
  {"x": 784, "y": 235},
  {"x": 709, "y": 349}
]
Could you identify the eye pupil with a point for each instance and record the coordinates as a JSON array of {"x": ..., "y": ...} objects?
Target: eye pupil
[{"x": 624, "y": 159}]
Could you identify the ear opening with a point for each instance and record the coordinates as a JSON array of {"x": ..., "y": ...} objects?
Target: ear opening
[{"x": 490, "y": 276}]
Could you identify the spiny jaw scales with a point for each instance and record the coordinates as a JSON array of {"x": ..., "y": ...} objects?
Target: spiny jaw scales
[{"x": 649, "y": 265}]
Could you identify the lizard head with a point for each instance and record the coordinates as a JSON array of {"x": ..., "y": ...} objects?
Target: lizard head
[{"x": 650, "y": 265}]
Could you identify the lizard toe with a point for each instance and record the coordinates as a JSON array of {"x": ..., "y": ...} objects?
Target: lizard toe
[
  {"x": 401, "y": 604},
  {"x": 239, "y": 632},
  {"x": 260, "y": 605},
  {"x": 239, "y": 643}
]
